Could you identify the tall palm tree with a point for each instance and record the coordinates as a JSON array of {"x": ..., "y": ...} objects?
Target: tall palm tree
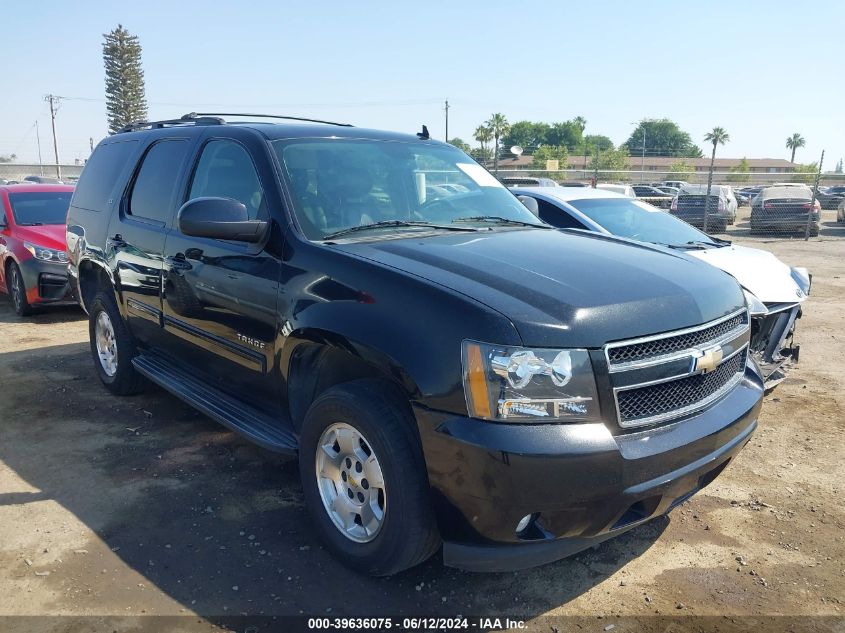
[
  {"x": 794, "y": 142},
  {"x": 499, "y": 126},
  {"x": 483, "y": 135},
  {"x": 717, "y": 136}
]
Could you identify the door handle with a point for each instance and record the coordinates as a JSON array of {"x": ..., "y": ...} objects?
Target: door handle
[
  {"x": 116, "y": 241},
  {"x": 178, "y": 262}
]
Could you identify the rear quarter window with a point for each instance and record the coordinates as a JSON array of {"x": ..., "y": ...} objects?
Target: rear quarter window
[{"x": 102, "y": 171}]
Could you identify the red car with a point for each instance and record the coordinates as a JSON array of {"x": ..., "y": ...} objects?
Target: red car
[{"x": 33, "y": 251}]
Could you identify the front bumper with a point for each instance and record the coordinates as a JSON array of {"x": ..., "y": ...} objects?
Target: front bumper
[
  {"x": 772, "y": 343},
  {"x": 46, "y": 282},
  {"x": 582, "y": 483}
]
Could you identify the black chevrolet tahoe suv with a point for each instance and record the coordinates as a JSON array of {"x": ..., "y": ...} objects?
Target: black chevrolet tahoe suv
[{"x": 448, "y": 370}]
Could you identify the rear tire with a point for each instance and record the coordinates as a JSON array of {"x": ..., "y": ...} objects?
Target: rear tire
[
  {"x": 17, "y": 291},
  {"x": 112, "y": 346},
  {"x": 382, "y": 432}
]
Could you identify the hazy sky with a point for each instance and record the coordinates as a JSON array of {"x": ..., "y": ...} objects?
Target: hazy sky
[{"x": 762, "y": 70}]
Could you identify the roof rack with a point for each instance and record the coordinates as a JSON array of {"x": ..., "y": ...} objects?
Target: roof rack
[
  {"x": 213, "y": 118},
  {"x": 188, "y": 119},
  {"x": 194, "y": 115}
]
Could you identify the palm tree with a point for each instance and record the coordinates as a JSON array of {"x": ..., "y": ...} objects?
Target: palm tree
[
  {"x": 794, "y": 142},
  {"x": 499, "y": 126},
  {"x": 483, "y": 135},
  {"x": 717, "y": 136}
]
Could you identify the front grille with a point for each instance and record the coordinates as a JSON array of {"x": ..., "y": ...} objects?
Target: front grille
[
  {"x": 656, "y": 348},
  {"x": 643, "y": 405}
]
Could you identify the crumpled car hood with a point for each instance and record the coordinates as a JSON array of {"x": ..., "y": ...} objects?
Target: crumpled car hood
[{"x": 756, "y": 270}]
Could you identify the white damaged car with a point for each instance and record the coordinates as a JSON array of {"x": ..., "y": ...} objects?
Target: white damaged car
[{"x": 774, "y": 291}]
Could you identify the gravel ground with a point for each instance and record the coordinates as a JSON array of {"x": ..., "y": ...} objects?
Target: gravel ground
[{"x": 112, "y": 508}]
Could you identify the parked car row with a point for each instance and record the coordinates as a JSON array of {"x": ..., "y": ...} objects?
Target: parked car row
[{"x": 445, "y": 360}]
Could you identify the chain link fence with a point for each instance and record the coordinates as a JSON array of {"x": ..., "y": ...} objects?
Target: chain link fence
[{"x": 754, "y": 205}]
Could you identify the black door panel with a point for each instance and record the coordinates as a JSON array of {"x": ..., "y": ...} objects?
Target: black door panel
[
  {"x": 219, "y": 298},
  {"x": 137, "y": 232}
]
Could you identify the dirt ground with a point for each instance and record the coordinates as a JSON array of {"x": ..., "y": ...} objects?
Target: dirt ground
[{"x": 112, "y": 508}]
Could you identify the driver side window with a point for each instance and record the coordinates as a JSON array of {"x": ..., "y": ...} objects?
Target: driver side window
[{"x": 225, "y": 170}]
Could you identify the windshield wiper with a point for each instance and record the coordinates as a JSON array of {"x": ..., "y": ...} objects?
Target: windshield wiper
[
  {"x": 500, "y": 220},
  {"x": 393, "y": 223},
  {"x": 30, "y": 224},
  {"x": 698, "y": 245}
]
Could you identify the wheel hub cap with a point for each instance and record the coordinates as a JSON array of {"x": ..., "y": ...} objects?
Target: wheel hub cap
[
  {"x": 350, "y": 482},
  {"x": 106, "y": 344}
]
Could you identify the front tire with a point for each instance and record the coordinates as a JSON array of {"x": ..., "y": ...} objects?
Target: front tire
[
  {"x": 112, "y": 347},
  {"x": 17, "y": 290},
  {"x": 364, "y": 479}
]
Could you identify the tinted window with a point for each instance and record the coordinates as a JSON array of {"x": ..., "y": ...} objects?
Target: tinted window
[
  {"x": 152, "y": 193},
  {"x": 342, "y": 183},
  {"x": 40, "y": 207},
  {"x": 639, "y": 221},
  {"x": 556, "y": 216},
  {"x": 225, "y": 170},
  {"x": 101, "y": 172}
]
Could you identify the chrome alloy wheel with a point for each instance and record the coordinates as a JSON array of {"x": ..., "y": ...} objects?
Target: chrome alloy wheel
[
  {"x": 106, "y": 344},
  {"x": 350, "y": 482}
]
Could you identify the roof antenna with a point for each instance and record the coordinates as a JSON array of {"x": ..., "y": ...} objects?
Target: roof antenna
[{"x": 424, "y": 134}]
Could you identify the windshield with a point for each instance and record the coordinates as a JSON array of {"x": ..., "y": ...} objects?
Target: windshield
[
  {"x": 338, "y": 184},
  {"x": 639, "y": 221},
  {"x": 40, "y": 207}
]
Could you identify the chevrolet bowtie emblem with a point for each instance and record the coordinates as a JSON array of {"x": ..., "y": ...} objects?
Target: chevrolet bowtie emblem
[{"x": 709, "y": 359}]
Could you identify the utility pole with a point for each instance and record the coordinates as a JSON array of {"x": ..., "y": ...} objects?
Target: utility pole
[
  {"x": 813, "y": 201},
  {"x": 447, "y": 120},
  {"x": 91, "y": 144},
  {"x": 38, "y": 139},
  {"x": 642, "y": 164},
  {"x": 53, "y": 100}
]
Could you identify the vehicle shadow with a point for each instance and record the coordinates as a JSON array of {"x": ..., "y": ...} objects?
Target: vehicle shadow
[
  {"x": 170, "y": 499},
  {"x": 46, "y": 315}
]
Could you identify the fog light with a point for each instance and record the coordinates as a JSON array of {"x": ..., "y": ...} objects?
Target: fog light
[{"x": 523, "y": 523}]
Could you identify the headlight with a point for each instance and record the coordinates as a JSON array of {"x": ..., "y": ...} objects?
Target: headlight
[
  {"x": 516, "y": 384},
  {"x": 803, "y": 278},
  {"x": 46, "y": 254},
  {"x": 755, "y": 306}
]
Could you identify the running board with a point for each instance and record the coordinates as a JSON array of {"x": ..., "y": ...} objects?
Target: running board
[{"x": 253, "y": 424}]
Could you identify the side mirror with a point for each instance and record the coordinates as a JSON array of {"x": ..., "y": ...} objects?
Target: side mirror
[
  {"x": 530, "y": 204},
  {"x": 220, "y": 219}
]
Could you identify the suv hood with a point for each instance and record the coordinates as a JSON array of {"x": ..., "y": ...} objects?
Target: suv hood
[
  {"x": 49, "y": 235},
  {"x": 565, "y": 290},
  {"x": 758, "y": 271}
]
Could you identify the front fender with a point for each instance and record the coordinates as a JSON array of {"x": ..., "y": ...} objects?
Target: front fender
[{"x": 408, "y": 329}]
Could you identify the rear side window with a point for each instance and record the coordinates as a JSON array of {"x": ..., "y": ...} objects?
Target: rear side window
[
  {"x": 550, "y": 214},
  {"x": 225, "y": 170},
  {"x": 152, "y": 193},
  {"x": 98, "y": 179}
]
